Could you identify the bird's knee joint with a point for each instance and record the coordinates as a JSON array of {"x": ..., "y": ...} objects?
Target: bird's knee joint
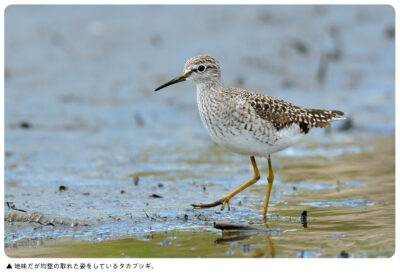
[{"x": 257, "y": 177}]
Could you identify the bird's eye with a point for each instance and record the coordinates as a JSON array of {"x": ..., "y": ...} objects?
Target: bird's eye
[{"x": 201, "y": 68}]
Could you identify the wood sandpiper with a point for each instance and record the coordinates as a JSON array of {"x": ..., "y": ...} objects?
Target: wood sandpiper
[{"x": 245, "y": 122}]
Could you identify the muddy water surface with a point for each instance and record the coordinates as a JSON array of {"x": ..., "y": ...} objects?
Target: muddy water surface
[{"x": 349, "y": 202}]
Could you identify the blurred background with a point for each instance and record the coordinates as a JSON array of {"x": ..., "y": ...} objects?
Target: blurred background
[{"x": 89, "y": 146}]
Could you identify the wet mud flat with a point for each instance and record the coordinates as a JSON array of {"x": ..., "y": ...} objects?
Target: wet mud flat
[
  {"x": 348, "y": 200},
  {"x": 93, "y": 158}
]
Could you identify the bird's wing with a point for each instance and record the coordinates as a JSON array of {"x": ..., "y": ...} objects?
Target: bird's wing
[{"x": 282, "y": 114}]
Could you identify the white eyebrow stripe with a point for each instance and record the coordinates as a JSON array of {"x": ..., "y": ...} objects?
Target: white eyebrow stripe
[{"x": 195, "y": 66}]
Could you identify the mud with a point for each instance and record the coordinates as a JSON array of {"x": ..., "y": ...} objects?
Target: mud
[{"x": 93, "y": 157}]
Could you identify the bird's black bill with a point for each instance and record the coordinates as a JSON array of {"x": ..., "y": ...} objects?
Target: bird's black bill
[{"x": 173, "y": 81}]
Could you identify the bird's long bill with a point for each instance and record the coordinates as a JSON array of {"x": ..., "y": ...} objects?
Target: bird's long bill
[{"x": 173, "y": 81}]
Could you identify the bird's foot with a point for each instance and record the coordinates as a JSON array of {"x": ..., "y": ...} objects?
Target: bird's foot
[{"x": 224, "y": 201}]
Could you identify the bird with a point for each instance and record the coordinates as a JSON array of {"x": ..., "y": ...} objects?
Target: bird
[{"x": 246, "y": 122}]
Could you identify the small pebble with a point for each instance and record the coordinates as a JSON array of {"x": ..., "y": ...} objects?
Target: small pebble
[
  {"x": 62, "y": 188},
  {"x": 25, "y": 125}
]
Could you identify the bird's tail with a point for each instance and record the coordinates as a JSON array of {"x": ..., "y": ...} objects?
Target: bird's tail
[
  {"x": 339, "y": 115},
  {"x": 322, "y": 118}
]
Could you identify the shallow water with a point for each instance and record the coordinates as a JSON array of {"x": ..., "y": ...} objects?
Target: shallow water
[
  {"x": 351, "y": 212},
  {"x": 93, "y": 156}
]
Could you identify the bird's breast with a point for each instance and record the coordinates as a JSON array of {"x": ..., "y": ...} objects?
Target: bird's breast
[{"x": 213, "y": 114}]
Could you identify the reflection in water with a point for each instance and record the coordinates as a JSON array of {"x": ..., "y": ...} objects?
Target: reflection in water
[
  {"x": 235, "y": 233},
  {"x": 233, "y": 237},
  {"x": 271, "y": 246}
]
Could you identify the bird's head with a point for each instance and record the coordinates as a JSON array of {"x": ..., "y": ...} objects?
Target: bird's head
[{"x": 203, "y": 69}]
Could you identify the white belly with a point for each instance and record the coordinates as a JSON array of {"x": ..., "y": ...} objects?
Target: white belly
[{"x": 246, "y": 144}]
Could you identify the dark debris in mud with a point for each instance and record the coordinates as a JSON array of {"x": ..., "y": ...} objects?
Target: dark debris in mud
[
  {"x": 62, "y": 188},
  {"x": 344, "y": 254},
  {"x": 25, "y": 125},
  {"x": 303, "y": 219},
  {"x": 226, "y": 226},
  {"x": 12, "y": 206}
]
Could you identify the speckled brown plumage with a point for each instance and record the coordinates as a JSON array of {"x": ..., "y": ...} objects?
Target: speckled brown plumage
[{"x": 282, "y": 114}]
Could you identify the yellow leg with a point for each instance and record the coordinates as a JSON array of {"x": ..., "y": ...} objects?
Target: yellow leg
[
  {"x": 270, "y": 182},
  {"x": 225, "y": 200}
]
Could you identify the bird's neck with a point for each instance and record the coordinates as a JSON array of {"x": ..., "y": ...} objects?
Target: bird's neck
[{"x": 209, "y": 87}]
